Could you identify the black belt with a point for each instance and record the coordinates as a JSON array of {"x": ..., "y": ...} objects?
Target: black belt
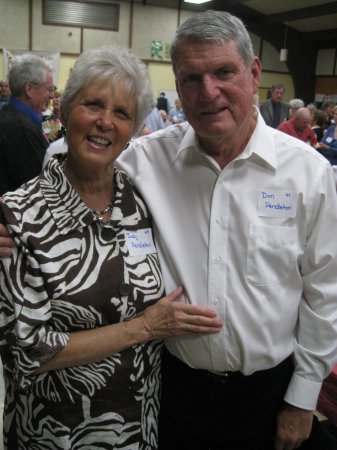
[{"x": 220, "y": 377}]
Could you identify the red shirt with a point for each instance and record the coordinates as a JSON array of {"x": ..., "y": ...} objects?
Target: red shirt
[{"x": 308, "y": 135}]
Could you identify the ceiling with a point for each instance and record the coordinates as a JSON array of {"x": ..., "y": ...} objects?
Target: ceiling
[{"x": 314, "y": 20}]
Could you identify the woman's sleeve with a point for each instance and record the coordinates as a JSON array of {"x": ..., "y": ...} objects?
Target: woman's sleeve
[
  {"x": 27, "y": 336},
  {"x": 333, "y": 144},
  {"x": 333, "y": 147}
]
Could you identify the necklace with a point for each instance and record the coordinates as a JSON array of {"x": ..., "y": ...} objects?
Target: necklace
[{"x": 100, "y": 214}]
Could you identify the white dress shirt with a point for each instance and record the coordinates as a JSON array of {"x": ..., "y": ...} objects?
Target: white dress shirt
[
  {"x": 256, "y": 241},
  {"x": 59, "y": 146}
]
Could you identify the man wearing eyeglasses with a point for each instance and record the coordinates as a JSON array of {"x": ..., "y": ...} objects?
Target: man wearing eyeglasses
[{"x": 22, "y": 142}]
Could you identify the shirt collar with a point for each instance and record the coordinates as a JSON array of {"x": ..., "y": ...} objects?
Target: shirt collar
[
  {"x": 67, "y": 208},
  {"x": 18, "y": 104},
  {"x": 260, "y": 145}
]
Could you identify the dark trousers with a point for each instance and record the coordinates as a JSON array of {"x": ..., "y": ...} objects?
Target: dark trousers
[{"x": 200, "y": 411}]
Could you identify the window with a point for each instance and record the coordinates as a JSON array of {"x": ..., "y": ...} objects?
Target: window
[{"x": 100, "y": 15}]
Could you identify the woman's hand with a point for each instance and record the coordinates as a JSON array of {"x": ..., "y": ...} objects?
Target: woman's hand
[
  {"x": 322, "y": 146},
  {"x": 169, "y": 317},
  {"x": 6, "y": 243}
]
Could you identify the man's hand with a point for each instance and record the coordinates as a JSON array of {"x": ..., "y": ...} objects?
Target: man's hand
[
  {"x": 293, "y": 427},
  {"x": 6, "y": 243}
]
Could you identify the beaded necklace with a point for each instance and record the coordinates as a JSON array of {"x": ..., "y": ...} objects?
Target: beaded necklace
[{"x": 98, "y": 214}]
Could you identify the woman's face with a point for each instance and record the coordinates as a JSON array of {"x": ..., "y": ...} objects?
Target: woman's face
[{"x": 100, "y": 124}]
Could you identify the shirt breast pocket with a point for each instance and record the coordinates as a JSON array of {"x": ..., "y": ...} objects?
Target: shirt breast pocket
[{"x": 271, "y": 254}]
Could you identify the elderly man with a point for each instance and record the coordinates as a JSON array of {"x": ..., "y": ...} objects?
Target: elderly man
[
  {"x": 244, "y": 217},
  {"x": 22, "y": 143},
  {"x": 273, "y": 110},
  {"x": 299, "y": 127}
]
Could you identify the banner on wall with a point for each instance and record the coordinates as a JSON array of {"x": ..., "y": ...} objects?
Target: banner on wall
[
  {"x": 52, "y": 58},
  {"x": 160, "y": 51}
]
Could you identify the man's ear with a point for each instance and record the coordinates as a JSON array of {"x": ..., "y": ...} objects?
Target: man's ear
[
  {"x": 256, "y": 70},
  {"x": 27, "y": 89}
]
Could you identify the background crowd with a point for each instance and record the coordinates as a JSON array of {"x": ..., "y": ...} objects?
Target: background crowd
[{"x": 313, "y": 123}]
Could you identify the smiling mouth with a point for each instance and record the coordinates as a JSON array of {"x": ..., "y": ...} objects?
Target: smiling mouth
[
  {"x": 99, "y": 141},
  {"x": 214, "y": 112}
]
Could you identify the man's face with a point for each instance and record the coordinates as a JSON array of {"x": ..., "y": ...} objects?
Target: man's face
[
  {"x": 277, "y": 95},
  {"x": 216, "y": 88},
  {"x": 302, "y": 122},
  {"x": 5, "y": 92},
  {"x": 40, "y": 95},
  {"x": 178, "y": 104}
]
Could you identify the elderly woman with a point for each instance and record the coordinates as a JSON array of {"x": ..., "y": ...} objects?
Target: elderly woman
[{"x": 82, "y": 312}]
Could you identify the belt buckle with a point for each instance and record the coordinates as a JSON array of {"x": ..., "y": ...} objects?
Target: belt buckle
[
  {"x": 220, "y": 374},
  {"x": 222, "y": 377}
]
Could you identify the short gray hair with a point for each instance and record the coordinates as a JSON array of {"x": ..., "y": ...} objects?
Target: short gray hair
[
  {"x": 110, "y": 64},
  {"x": 27, "y": 68},
  {"x": 296, "y": 103},
  {"x": 216, "y": 27},
  {"x": 277, "y": 86}
]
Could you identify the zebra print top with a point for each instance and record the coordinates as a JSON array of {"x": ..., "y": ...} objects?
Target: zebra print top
[{"x": 70, "y": 272}]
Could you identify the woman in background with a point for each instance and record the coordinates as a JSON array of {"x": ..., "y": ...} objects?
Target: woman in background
[
  {"x": 328, "y": 145},
  {"x": 318, "y": 123}
]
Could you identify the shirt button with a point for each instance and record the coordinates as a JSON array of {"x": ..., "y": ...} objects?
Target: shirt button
[
  {"x": 215, "y": 301},
  {"x": 108, "y": 234},
  {"x": 218, "y": 220},
  {"x": 217, "y": 260}
]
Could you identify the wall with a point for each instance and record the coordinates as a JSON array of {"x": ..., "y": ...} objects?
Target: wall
[
  {"x": 22, "y": 29},
  {"x": 326, "y": 74},
  {"x": 269, "y": 78}
]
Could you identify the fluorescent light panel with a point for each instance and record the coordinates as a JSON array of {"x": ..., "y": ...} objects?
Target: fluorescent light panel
[{"x": 197, "y": 2}]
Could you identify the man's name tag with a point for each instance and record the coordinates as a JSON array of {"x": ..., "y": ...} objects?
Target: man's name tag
[
  {"x": 140, "y": 242},
  {"x": 277, "y": 203}
]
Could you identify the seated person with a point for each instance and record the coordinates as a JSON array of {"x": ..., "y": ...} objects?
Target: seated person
[
  {"x": 177, "y": 114},
  {"x": 318, "y": 123},
  {"x": 328, "y": 145},
  {"x": 294, "y": 105},
  {"x": 299, "y": 127}
]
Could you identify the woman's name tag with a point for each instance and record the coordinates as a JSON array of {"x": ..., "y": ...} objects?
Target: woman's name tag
[{"x": 140, "y": 242}]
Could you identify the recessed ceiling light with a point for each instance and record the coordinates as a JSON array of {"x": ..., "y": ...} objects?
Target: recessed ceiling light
[{"x": 196, "y": 1}]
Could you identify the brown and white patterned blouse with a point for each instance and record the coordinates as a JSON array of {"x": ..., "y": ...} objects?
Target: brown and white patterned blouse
[{"x": 69, "y": 272}]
